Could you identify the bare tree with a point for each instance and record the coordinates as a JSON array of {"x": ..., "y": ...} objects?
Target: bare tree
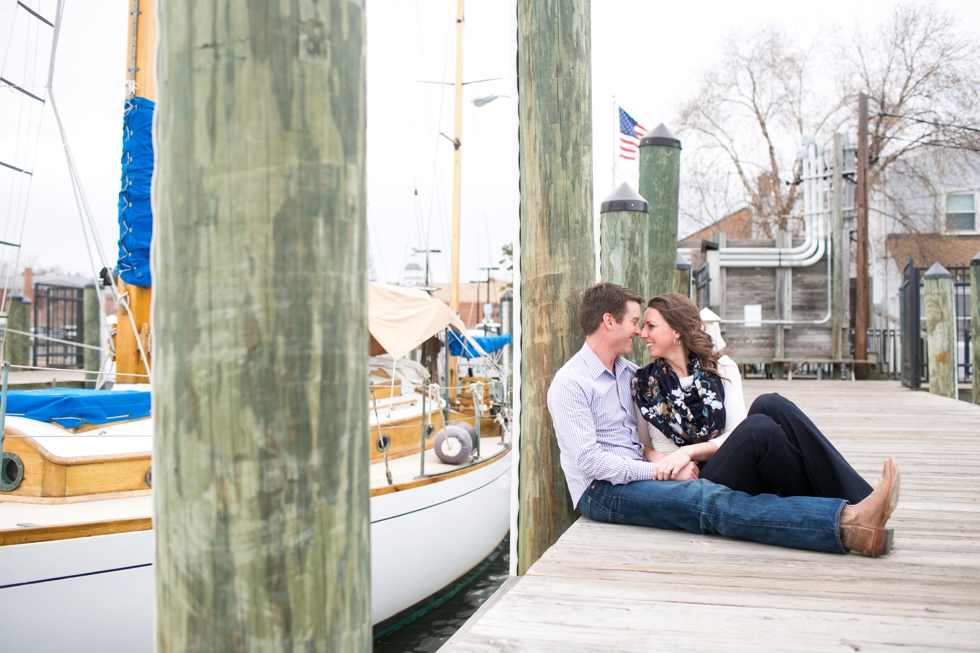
[
  {"x": 922, "y": 75},
  {"x": 752, "y": 110}
]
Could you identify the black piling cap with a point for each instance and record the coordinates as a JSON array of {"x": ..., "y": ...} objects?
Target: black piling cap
[
  {"x": 937, "y": 272},
  {"x": 624, "y": 198},
  {"x": 975, "y": 260},
  {"x": 660, "y": 136},
  {"x": 681, "y": 263}
]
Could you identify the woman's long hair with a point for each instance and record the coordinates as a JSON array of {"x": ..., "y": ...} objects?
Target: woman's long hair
[{"x": 683, "y": 317}]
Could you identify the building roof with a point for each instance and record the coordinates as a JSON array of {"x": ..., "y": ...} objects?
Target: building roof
[
  {"x": 735, "y": 225},
  {"x": 926, "y": 249}
]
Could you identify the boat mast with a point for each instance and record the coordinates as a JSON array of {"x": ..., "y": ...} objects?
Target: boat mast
[
  {"x": 133, "y": 339},
  {"x": 457, "y": 160}
]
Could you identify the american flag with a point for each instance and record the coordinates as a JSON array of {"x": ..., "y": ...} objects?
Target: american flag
[{"x": 630, "y": 133}]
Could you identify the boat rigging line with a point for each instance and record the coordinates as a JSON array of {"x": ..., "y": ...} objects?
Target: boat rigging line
[{"x": 81, "y": 202}]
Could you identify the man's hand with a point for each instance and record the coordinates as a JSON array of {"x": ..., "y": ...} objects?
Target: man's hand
[
  {"x": 669, "y": 467},
  {"x": 689, "y": 472}
]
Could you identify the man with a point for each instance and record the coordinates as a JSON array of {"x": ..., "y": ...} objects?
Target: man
[{"x": 609, "y": 481}]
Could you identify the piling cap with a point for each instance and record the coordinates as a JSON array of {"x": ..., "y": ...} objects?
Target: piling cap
[
  {"x": 681, "y": 263},
  {"x": 937, "y": 272},
  {"x": 624, "y": 198},
  {"x": 660, "y": 136},
  {"x": 975, "y": 260}
]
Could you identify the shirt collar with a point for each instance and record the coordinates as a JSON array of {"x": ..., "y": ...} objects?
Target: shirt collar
[{"x": 596, "y": 367}]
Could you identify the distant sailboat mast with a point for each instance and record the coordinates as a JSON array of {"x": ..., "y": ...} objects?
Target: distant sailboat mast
[{"x": 457, "y": 160}]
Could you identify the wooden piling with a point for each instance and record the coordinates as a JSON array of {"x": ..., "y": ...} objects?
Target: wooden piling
[
  {"x": 683, "y": 282},
  {"x": 260, "y": 461},
  {"x": 975, "y": 324},
  {"x": 624, "y": 260},
  {"x": 940, "y": 330},
  {"x": 557, "y": 256},
  {"x": 18, "y": 346},
  {"x": 91, "y": 330},
  {"x": 660, "y": 179}
]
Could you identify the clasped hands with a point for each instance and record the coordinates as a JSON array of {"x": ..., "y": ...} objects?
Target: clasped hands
[{"x": 676, "y": 466}]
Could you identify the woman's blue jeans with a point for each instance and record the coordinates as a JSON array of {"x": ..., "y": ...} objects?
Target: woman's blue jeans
[{"x": 700, "y": 506}]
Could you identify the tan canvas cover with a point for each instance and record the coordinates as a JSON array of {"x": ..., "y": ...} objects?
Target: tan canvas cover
[{"x": 400, "y": 319}]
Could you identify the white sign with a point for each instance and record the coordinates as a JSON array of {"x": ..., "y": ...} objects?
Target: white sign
[{"x": 753, "y": 315}]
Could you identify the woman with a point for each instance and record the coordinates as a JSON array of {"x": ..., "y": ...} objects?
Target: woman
[{"x": 689, "y": 403}]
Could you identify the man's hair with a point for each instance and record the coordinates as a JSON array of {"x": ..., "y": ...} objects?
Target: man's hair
[{"x": 604, "y": 298}]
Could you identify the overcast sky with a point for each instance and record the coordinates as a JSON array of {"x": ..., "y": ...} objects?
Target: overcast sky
[{"x": 647, "y": 54}]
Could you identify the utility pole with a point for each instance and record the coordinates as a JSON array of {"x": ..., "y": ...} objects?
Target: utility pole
[
  {"x": 862, "y": 298},
  {"x": 260, "y": 452}
]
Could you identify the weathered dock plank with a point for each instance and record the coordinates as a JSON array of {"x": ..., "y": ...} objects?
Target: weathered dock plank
[{"x": 607, "y": 587}]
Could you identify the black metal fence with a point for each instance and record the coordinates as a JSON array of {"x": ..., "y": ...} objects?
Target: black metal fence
[
  {"x": 915, "y": 368},
  {"x": 59, "y": 312}
]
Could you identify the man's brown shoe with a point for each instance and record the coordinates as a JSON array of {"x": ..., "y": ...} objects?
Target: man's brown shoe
[{"x": 863, "y": 525}]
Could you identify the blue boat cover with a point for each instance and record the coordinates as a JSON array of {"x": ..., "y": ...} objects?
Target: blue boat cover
[
  {"x": 135, "y": 216},
  {"x": 490, "y": 344},
  {"x": 71, "y": 407}
]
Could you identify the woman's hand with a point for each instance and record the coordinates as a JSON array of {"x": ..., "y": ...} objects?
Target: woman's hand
[
  {"x": 670, "y": 466},
  {"x": 651, "y": 455}
]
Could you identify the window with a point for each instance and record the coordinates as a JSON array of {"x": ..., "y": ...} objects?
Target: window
[{"x": 961, "y": 213}]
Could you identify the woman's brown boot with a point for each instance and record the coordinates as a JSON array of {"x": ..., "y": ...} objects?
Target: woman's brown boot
[{"x": 862, "y": 526}]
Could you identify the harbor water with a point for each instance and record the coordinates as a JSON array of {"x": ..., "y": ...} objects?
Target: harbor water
[{"x": 431, "y": 630}]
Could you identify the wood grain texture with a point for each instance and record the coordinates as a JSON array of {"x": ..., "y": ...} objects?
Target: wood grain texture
[
  {"x": 623, "y": 588},
  {"x": 557, "y": 256},
  {"x": 261, "y": 383},
  {"x": 129, "y": 363},
  {"x": 70, "y": 531},
  {"x": 625, "y": 260},
  {"x": 937, "y": 295},
  {"x": 660, "y": 181},
  {"x": 146, "y": 43}
]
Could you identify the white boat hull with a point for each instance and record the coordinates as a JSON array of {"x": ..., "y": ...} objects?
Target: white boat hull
[{"x": 96, "y": 593}]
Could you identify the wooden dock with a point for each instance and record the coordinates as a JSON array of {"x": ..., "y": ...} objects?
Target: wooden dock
[{"x": 621, "y": 588}]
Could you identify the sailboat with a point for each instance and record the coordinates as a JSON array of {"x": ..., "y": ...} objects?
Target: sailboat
[{"x": 76, "y": 540}]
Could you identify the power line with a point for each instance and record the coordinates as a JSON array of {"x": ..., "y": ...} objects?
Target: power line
[
  {"x": 930, "y": 122},
  {"x": 948, "y": 146}
]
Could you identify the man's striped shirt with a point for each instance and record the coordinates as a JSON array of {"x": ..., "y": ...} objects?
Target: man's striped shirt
[{"x": 592, "y": 411}]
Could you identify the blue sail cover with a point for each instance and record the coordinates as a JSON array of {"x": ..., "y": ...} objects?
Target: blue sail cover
[
  {"x": 135, "y": 216},
  {"x": 71, "y": 408},
  {"x": 490, "y": 344}
]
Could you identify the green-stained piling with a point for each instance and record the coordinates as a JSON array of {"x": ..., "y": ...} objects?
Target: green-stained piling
[
  {"x": 623, "y": 231},
  {"x": 260, "y": 398},
  {"x": 17, "y": 345},
  {"x": 941, "y": 330},
  {"x": 660, "y": 178},
  {"x": 975, "y": 323},
  {"x": 557, "y": 259}
]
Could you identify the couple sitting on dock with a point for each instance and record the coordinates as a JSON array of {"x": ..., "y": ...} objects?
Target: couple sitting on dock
[{"x": 670, "y": 445}]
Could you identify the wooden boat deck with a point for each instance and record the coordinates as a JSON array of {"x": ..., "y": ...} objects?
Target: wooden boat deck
[{"x": 605, "y": 587}]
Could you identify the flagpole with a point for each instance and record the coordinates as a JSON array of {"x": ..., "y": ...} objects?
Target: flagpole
[{"x": 615, "y": 159}]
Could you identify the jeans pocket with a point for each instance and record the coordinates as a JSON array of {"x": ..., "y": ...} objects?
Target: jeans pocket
[{"x": 598, "y": 512}]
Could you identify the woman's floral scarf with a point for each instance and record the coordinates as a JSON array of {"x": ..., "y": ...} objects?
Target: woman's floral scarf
[{"x": 685, "y": 415}]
